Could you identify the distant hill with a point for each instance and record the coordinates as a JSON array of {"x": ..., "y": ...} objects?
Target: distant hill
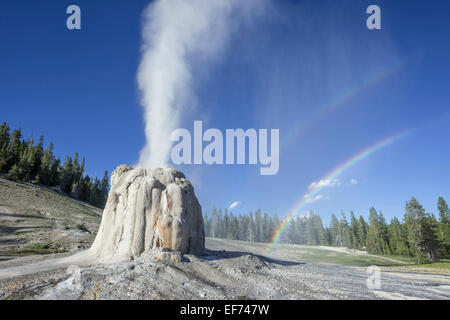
[{"x": 38, "y": 220}]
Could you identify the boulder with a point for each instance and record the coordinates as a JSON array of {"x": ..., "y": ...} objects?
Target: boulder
[{"x": 146, "y": 209}]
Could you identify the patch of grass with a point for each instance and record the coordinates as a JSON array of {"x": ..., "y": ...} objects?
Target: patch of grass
[
  {"x": 342, "y": 258},
  {"x": 311, "y": 254},
  {"x": 443, "y": 264},
  {"x": 408, "y": 260},
  {"x": 35, "y": 248}
]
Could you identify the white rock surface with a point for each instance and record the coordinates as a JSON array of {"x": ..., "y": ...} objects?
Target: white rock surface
[{"x": 148, "y": 208}]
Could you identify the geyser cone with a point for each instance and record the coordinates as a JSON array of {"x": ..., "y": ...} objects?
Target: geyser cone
[{"x": 148, "y": 208}]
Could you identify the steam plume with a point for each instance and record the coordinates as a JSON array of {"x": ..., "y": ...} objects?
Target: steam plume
[{"x": 178, "y": 35}]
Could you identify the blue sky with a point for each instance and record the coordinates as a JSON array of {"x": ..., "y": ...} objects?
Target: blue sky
[{"x": 310, "y": 68}]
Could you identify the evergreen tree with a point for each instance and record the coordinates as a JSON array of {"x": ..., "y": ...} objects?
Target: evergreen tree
[
  {"x": 258, "y": 226},
  {"x": 220, "y": 225},
  {"x": 265, "y": 229},
  {"x": 321, "y": 232},
  {"x": 276, "y": 224},
  {"x": 397, "y": 240},
  {"x": 207, "y": 224},
  {"x": 85, "y": 189},
  {"x": 67, "y": 175},
  {"x": 354, "y": 231},
  {"x": 421, "y": 232},
  {"x": 44, "y": 169},
  {"x": 383, "y": 229},
  {"x": 375, "y": 240},
  {"x": 104, "y": 189},
  {"x": 14, "y": 173},
  {"x": 345, "y": 232},
  {"x": 243, "y": 227},
  {"x": 4, "y": 135},
  {"x": 14, "y": 148},
  {"x": 362, "y": 232},
  {"x": 312, "y": 230},
  {"x": 54, "y": 173},
  {"x": 251, "y": 229},
  {"x": 23, "y": 160},
  {"x": 213, "y": 228},
  {"x": 4, "y": 141},
  {"x": 444, "y": 227},
  {"x": 336, "y": 236}
]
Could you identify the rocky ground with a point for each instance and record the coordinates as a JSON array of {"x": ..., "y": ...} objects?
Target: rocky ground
[{"x": 229, "y": 274}]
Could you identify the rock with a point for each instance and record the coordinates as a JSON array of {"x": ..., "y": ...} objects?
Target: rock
[
  {"x": 169, "y": 257},
  {"x": 146, "y": 209}
]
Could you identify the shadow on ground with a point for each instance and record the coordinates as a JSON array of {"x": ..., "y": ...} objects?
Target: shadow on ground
[
  {"x": 212, "y": 255},
  {"x": 17, "y": 215}
]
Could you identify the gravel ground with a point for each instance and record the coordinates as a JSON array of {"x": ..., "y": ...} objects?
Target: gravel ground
[{"x": 220, "y": 274}]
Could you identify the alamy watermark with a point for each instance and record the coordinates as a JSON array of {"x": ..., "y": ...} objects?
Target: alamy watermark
[
  {"x": 74, "y": 282},
  {"x": 235, "y": 146},
  {"x": 374, "y": 278},
  {"x": 73, "y": 21}
]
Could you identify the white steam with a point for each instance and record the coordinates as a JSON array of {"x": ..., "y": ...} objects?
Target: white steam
[{"x": 177, "y": 36}]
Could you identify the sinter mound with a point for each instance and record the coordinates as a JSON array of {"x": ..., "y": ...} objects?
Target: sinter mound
[{"x": 146, "y": 209}]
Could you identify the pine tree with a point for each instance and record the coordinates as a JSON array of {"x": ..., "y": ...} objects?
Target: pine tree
[
  {"x": 104, "y": 189},
  {"x": 266, "y": 226},
  {"x": 14, "y": 148},
  {"x": 38, "y": 156},
  {"x": 213, "y": 228},
  {"x": 220, "y": 225},
  {"x": 207, "y": 224},
  {"x": 258, "y": 226},
  {"x": 4, "y": 134},
  {"x": 243, "y": 227},
  {"x": 323, "y": 237},
  {"x": 67, "y": 175},
  {"x": 362, "y": 232},
  {"x": 4, "y": 140},
  {"x": 276, "y": 226},
  {"x": 44, "y": 170},
  {"x": 94, "y": 193},
  {"x": 397, "y": 240},
  {"x": 312, "y": 230},
  {"x": 345, "y": 232},
  {"x": 327, "y": 237},
  {"x": 375, "y": 241},
  {"x": 251, "y": 229},
  {"x": 23, "y": 160},
  {"x": 421, "y": 232},
  {"x": 354, "y": 231},
  {"x": 14, "y": 173},
  {"x": 3, "y": 161},
  {"x": 444, "y": 227},
  {"x": 54, "y": 173},
  {"x": 383, "y": 229},
  {"x": 336, "y": 235}
]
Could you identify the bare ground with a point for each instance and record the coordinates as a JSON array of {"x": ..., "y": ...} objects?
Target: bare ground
[{"x": 229, "y": 274}]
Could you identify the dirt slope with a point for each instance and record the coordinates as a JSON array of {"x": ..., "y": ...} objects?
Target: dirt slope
[{"x": 38, "y": 220}]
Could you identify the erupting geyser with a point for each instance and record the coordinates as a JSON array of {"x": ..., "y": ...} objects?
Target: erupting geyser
[{"x": 146, "y": 209}]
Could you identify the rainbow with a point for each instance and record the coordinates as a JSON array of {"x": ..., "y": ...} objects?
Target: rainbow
[
  {"x": 342, "y": 100},
  {"x": 316, "y": 188}
]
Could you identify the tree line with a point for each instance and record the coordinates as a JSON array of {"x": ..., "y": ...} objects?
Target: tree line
[
  {"x": 420, "y": 234},
  {"x": 23, "y": 160}
]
